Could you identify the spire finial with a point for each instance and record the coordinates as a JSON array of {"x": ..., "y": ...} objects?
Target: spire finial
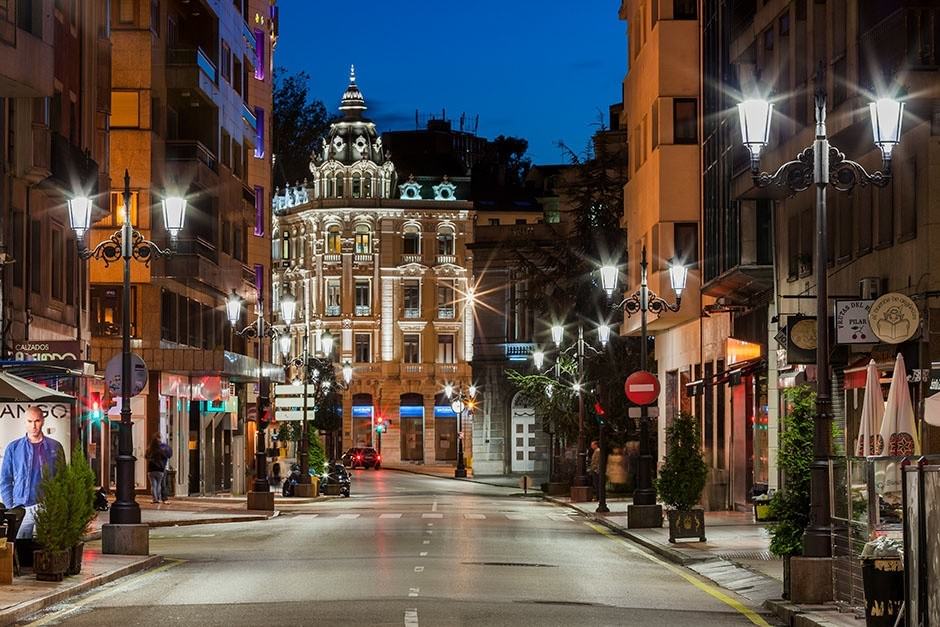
[{"x": 352, "y": 73}]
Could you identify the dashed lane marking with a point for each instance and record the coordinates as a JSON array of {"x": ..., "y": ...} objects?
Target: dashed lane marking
[
  {"x": 411, "y": 617},
  {"x": 432, "y": 515},
  {"x": 736, "y": 605},
  {"x": 419, "y": 569},
  {"x": 423, "y": 554},
  {"x": 517, "y": 517},
  {"x": 413, "y": 592},
  {"x": 390, "y": 516},
  {"x": 475, "y": 516},
  {"x": 425, "y": 542}
]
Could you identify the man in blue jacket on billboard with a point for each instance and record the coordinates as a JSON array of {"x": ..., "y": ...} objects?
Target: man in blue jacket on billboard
[{"x": 21, "y": 470}]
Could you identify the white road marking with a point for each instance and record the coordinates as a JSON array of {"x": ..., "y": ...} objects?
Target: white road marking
[
  {"x": 517, "y": 517},
  {"x": 430, "y": 524},
  {"x": 390, "y": 516},
  {"x": 423, "y": 554},
  {"x": 413, "y": 592},
  {"x": 434, "y": 506},
  {"x": 475, "y": 516},
  {"x": 425, "y": 542},
  {"x": 432, "y": 515},
  {"x": 419, "y": 569},
  {"x": 428, "y": 531},
  {"x": 411, "y": 617},
  {"x": 348, "y": 516}
]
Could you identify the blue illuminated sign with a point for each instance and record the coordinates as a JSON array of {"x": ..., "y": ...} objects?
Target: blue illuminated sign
[
  {"x": 443, "y": 411},
  {"x": 362, "y": 411},
  {"x": 412, "y": 411}
]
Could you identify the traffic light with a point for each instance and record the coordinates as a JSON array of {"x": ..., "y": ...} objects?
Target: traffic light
[
  {"x": 381, "y": 425},
  {"x": 599, "y": 413},
  {"x": 95, "y": 412}
]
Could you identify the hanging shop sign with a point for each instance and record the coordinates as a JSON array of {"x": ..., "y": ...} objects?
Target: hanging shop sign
[
  {"x": 894, "y": 318},
  {"x": 53, "y": 350},
  {"x": 852, "y": 325},
  {"x": 801, "y": 340}
]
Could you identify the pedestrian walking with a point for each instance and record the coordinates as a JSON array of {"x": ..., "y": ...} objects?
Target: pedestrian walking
[
  {"x": 157, "y": 456},
  {"x": 596, "y": 467}
]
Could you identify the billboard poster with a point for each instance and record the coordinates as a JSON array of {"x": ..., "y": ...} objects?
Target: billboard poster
[{"x": 56, "y": 423}]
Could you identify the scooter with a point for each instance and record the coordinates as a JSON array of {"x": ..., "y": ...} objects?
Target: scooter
[
  {"x": 291, "y": 480},
  {"x": 338, "y": 475}
]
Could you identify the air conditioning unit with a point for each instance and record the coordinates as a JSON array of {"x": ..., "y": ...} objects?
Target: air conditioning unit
[{"x": 871, "y": 287}]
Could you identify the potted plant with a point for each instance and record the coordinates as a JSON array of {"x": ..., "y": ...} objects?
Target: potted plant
[
  {"x": 81, "y": 480},
  {"x": 883, "y": 579},
  {"x": 789, "y": 506},
  {"x": 682, "y": 479},
  {"x": 54, "y": 528}
]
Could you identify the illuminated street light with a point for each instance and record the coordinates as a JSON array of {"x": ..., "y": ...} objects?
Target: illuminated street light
[
  {"x": 538, "y": 358},
  {"x": 558, "y": 333}
]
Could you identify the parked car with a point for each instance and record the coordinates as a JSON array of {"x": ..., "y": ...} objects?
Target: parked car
[
  {"x": 364, "y": 456},
  {"x": 335, "y": 474}
]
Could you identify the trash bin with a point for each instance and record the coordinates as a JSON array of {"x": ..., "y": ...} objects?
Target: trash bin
[{"x": 169, "y": 483}]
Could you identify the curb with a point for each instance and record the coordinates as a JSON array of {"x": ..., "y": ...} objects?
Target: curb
[
  {"x": 801, "y": 615},
  {"x": 532, "y": 491},
  {"x": 27, "y": 608},
  {"x": 673, "y": 556},
  {"x": 190, "y": 522}
]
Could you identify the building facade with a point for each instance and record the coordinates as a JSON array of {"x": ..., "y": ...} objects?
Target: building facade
[
  {"x": 190, "y": 98},
  {"x": 382, "y": 264}
]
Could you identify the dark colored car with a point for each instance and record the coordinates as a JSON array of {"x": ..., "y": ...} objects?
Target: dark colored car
[
  {"x": 366, "y": 457},
  {"x": 335, "y": 474}
]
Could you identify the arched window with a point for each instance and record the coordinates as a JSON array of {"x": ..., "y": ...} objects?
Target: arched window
[
  {"x": 340, "y": 185},
  {"x": 330, "y": 187},
  {"x": 363, "y": 240},
  {"x": 334, "y": 243},
  {"x": 445, "y": 241},
  {"x": 356, "y": 185},
  {"x": 285, "y": 246},
  {"x": 367, "y": 186},
  {"x": 412, "y": 241}
]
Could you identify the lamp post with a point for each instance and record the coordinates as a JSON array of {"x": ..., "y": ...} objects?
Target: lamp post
[
  {"x": 321, "y": 369},
  {"x": 125, "y": 244},
  {"x": 461, "y": 400},
  {"x": 820, "y": 165},
  {"x": 260, "y": 497},
  {"x": 644, "y": 511}
]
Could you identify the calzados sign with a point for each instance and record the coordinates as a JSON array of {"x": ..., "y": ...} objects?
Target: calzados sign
[{"x": 53, "y": 350}]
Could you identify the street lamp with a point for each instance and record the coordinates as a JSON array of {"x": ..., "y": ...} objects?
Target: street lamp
[
  {"x": 461, "y": 401},
  {"x": 260, "y": 497},
  {"x": 644, "y": 512},
  {"x": 538, "y": 358},
  {"x": 124, "y": 244},
  {"x": 817, "y": 166},
  {"x": 558, "y": 334}
]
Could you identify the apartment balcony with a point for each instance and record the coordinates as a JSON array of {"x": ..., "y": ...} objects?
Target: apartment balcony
[
  {"x": 332, "y": 258},
  {"x": 415, "y": 371},
  {"x": 518, "y": 351},
  {"x": 405, "y": 259},
  {"x": 28, "y": 61},
  {"x": 333, "y": 310},
  {"x": 192, "y": 69},
  {"x": 445, "y": 313},
  {"x": 362, "y": 258},
  {"x": 452, "y": 371},
  {"x": 412, "y": 313},
  {"x": 442, "y": 259},
  {"x": 249, "y": 117},
  {"x": 33, "y": 162},
  {"x": 195, "y": 160},
  {"x": 70, "y": 165},
  {"x": 194, "y": 258},
  {"x": 362, "y": 310},
  {"x": 905, "y": 39}
]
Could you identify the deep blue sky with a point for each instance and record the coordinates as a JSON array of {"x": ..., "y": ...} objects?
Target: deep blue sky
[{"x": 538, "y": 69}]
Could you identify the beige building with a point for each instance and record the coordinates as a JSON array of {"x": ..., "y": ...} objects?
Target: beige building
[{"x": 382, "y": 265}]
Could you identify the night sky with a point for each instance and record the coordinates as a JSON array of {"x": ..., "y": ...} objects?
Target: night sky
[{"x": 538, "y": 69}]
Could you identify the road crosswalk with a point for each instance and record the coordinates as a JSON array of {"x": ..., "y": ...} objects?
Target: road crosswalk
[{"x": 513, "y": 516}]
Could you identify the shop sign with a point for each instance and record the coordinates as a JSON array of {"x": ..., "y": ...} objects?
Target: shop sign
[
  {"x": 58, "y": 417},
  {"x": 852, "y": 322},
  {"x": 53, "y": 350},
  {"x": 113, "y": 375},
  {"x": 174, "y": 385},
  {"x": 801, "y": 340},
  {"x": 935, "y": 377},
  {"x": 894, "y": 318},
  {"x": 208, "y": 388}
]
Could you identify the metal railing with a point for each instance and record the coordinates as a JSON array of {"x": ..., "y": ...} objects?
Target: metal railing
[
  {"x": 249, "y": 116},
  {"x": 442, "y": 259},
  {"x": 445, "y": 313},
  {"x": 362, "y": 257},
  {"x": 191, "y": 150},
  {"x": 362, "y": 310},
  {"x": 193, "y": 56},
  {"x": 411, "y": 258},
  {"x": 332, "y": 258},
  {"x": 412, "y": 312},
  {"x": 921, "y": 493},
  {"x": 332, "y": 310}
]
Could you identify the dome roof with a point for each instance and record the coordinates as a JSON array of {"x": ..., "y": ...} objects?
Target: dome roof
[{"x": 353, "y": 138}]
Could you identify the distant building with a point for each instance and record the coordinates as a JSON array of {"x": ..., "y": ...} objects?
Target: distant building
[{"x": 381, "y": 262}]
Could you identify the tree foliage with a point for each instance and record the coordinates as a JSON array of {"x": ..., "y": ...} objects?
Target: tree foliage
[
  {"x": 299, "y": 122},
  {"x": 501, "y": 174},
  {"x": 316, "y": 454},
  {"x": 66, "y": 503},
  {"x": 684, "y": 472},
  {"x": 790, "y": 506}
]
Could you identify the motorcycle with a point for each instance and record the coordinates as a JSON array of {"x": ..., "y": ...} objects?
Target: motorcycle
[
  {"x": 336, "y": 474},
  {"x": 292, "y": 480}
]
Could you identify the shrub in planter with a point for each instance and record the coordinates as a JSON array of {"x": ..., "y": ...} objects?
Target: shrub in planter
[
  {"x": 789, "y": 506},
  {"x": 682, "y": 479},
  {"x": 81, "y": 480}
]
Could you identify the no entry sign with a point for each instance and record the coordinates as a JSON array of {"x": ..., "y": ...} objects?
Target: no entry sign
[{"x": 642, "y": 388}]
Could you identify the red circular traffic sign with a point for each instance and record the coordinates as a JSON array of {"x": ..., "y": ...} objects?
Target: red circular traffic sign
[{"x": 642, "y": 388}]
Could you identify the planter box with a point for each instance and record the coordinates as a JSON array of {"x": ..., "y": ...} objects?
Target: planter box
[
  {"x": 557, "y": 488},
  {"x": 884, "y": 590},
  {"x": 332, "y": 489},
  {"x": 75, "y": 558},
  {"x": 686, "y": 524},
  {"x": 51, "y": 565}
]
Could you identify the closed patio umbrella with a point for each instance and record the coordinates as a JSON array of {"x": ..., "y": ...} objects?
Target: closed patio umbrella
[
  {"x": 897, "y": 430},
  {"x": 14, "y": 389},
  {"x": 869, "y": 442}
]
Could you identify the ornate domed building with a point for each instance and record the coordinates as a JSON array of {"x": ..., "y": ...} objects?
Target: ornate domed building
[{"x": 383, "y": 267}]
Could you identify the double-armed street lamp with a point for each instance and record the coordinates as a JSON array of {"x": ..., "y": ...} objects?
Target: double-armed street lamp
[
  {"x": 260, "y": 497},
  {"x": 820, "y": 165},
  {"x": 318, "y": 374},
  {"x": 125, "y": 244},
  {"x": 644, "y": 512},
  {"x": 461, "y": 400}
]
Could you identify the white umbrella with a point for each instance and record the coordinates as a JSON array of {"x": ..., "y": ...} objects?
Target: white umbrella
[
  {"x": 897, "y": 430},
  {"x": 932, "y": 410},
  {"x": 869, "y": 442}
]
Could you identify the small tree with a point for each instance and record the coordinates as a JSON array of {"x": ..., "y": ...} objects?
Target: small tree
[
  {"x": 81, "y": 481},
  {"x": 684, "y": 472},
  {"x": 790, "y": 506},
  {"x": 315, "y": 451},
  {"x": 54, "y": 527}
]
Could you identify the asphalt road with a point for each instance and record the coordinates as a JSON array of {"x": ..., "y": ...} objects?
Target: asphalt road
[{"x": 405, "y": 550}]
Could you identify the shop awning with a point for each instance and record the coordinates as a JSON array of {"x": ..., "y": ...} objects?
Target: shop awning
[
  {"x": 14, "y": 389},
  {"x": 731, "y": 373}
]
